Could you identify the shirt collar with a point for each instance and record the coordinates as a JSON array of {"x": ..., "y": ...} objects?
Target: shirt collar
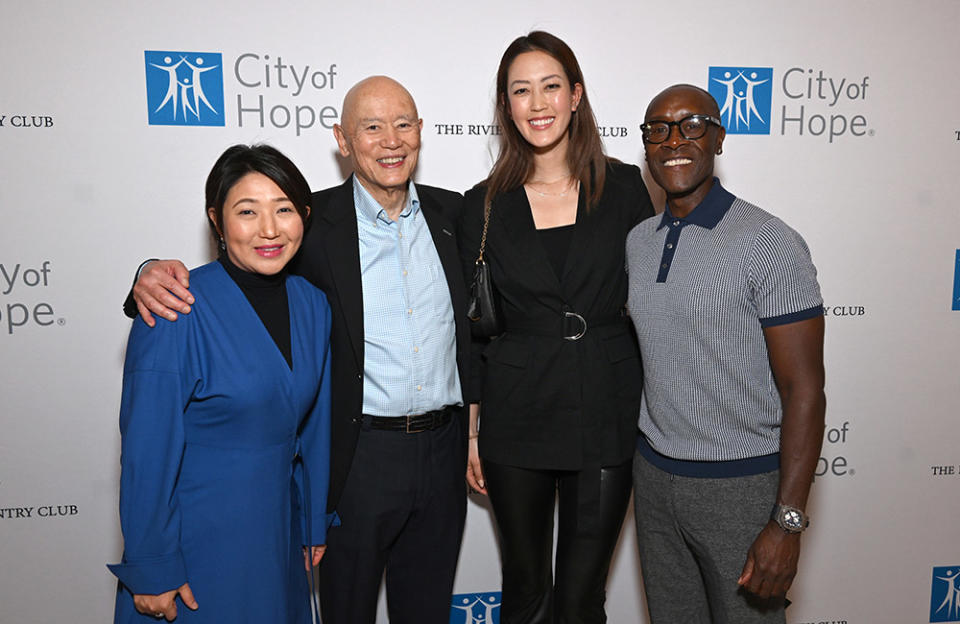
[
  {"x": 370, "y": 209},
  {"x": 708, "y": 212}
]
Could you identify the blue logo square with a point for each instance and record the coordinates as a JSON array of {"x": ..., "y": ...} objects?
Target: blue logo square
[
  {"x": 956, "y": 282},
  {"x": 744, "y": 95},
  {"x": 945, "y": 595},
  {"x": 481, "y": 608},
  {"x": 184, "y": 88}
]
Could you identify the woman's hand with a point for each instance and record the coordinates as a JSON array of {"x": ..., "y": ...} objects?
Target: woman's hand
[
  {"x": 165, "y": 605},
  {"x": 474, "y": 469},
  {"x": 313, "y": 558}
]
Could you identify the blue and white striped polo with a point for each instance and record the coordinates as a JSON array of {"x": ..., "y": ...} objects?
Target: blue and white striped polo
[{"x": 702, "y": 289}]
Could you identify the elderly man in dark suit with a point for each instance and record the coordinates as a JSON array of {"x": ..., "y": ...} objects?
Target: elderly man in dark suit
[{"x": 382, "y": 248}]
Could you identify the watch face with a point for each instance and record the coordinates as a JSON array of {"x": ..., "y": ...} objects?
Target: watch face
[{"x": 792, "y": 519}]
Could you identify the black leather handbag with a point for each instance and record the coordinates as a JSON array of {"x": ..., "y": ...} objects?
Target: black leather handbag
[{"x": 483, "y": 309}]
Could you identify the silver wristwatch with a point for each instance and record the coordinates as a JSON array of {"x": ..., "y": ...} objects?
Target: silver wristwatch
[{"x": 790, "y": 519}]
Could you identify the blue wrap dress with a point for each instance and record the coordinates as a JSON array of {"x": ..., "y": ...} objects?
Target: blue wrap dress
[{"x": 225, "y": 456}]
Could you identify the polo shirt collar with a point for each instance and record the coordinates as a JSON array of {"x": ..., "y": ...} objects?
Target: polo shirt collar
[
  {"x": 370, "y": 209},
  {"x": 708, "y": 213}
]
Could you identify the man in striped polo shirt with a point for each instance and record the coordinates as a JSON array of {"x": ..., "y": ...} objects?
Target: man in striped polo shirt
[{"x": 729, "y": 316}]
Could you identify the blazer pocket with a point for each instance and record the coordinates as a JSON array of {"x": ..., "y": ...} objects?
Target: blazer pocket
[
  {"x": 506, "y": 393},
  {"x": 511, "y": 352},
  {"x": 623, "y": 356},
  {"x": 620, "y": 347}
]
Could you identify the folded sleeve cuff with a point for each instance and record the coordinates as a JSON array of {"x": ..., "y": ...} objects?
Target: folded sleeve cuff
[
  {"x": 318, "y": 534},
  {"x": 151, "y": 576}
]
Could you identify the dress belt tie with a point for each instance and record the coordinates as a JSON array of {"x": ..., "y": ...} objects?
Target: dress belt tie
[
  {"x": 569, "y": 325},
  {"x": 308, "y": 532}
]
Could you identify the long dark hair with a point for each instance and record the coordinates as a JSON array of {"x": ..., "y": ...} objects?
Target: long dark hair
[
  {"x": 585, "y": 155},
  {"x": 239, "y": 160}
]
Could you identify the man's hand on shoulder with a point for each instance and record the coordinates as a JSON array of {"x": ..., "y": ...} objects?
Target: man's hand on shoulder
[
  {"x": 161, "y": 289},
  {"x": 771, "y": 562}
]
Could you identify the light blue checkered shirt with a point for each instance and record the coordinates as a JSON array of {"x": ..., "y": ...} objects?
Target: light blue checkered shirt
[{"x": 410, "y": 357}]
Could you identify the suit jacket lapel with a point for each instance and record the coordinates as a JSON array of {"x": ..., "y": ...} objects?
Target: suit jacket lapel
[
  {"x": 580, "y": 244},
  {"x": 342, "y": 246},
  {"x": 442, "y": 233},
  {"x": 513, "y": 212}
]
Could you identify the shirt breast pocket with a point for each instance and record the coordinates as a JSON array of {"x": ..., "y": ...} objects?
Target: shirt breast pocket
[{"x": 439, "y": 293}]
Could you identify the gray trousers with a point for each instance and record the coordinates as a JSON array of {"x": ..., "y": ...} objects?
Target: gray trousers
[{"x": 693, "y": 535}]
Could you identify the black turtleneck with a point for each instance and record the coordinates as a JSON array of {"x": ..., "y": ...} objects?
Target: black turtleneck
[{"x": 268, "y": 296}]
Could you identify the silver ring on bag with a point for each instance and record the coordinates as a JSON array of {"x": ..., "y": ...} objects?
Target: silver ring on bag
[{"x": 583, "y": 331}]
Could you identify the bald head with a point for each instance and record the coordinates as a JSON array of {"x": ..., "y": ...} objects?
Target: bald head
[
  {"x": 380, "y": 133},
  {"x": 375, "y": 88},
  {"x": 687, "y": 93},
  {"x": 681, "y": 156}
]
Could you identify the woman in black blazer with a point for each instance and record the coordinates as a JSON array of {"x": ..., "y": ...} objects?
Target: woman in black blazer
[{"x": 560, "y": 389}]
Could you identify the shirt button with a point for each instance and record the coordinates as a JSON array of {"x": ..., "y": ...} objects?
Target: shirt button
[
  {"x": 669, "y": 245},
  {"x": 400, "y": 234},
  {"x": 409, "y": 311},
  {"x": 416, "y": 350},
  {"x": 404, "y": 271},
  {"x": 664, "y": 265},
  {"x": 419, "y": 387},
  {"x": 676, "y": 223}
]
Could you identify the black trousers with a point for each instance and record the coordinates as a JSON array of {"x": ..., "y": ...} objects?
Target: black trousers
[
  {"x": 402, "y": 510},
  {"x": 523, "y": 502}
]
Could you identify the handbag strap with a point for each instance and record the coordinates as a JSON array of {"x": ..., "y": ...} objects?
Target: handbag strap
[{"x": 483, "y": 237}]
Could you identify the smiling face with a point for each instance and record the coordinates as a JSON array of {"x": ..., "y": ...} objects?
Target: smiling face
[
  {"x": 541, "y": 100},
  {"x": 261, "y": 227},
  {"x": 683, "y": 167},
  {"x": 380, "y": 134}
]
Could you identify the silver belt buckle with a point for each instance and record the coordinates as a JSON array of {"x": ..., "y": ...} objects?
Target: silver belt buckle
[{"x": 583, "y": 322}]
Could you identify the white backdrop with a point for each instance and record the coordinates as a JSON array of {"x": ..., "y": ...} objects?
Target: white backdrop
[{"x": 89, "y": 188}]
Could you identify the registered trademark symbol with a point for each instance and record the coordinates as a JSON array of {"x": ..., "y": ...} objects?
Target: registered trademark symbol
[
  {"x": 871, "y": 132},
  {"x": 61, "y": 321}
]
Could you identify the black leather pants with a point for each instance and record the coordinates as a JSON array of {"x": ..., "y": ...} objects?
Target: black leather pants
[{"x": 523, "y": 503}]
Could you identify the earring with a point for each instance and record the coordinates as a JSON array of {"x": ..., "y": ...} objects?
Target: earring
[
  {"x": 222, "y": 244},
  {"x": 719, "y": 150}
]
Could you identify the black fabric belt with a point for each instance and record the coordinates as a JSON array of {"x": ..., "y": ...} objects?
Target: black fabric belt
[
  {"x": 410, "y": 424},
  {"x": 569, "y": 325}
]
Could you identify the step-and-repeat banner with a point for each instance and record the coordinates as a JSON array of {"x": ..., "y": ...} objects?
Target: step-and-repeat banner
[{"x": 842, "y": 119}]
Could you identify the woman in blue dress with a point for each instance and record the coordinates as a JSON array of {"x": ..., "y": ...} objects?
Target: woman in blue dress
[{"x": 225, "y": 420}]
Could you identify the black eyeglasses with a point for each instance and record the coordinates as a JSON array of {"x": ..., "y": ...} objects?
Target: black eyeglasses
[{"x": 692, "y": 127}]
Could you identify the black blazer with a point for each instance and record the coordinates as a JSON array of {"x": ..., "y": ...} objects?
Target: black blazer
[
  {"x": 549, "y": 402},
  {"x": 330, "y": 259}
]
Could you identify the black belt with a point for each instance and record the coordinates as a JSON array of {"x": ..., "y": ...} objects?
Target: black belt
[
  {"x": 569, "y": 325},
  {"x": 410, "y": 424}
]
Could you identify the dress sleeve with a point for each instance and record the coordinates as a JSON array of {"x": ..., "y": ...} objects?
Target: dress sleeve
[
  {"x": 152, "y": 444},
  {"x": 312, "y": 473},
  {"x": 469, "y": 231},
  {"x": 641, "y": 206}
]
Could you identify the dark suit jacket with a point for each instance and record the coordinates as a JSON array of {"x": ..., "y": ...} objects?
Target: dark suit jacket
[
  {"x": 330, "y": 258},
  {"x": 550, "y": 402}
]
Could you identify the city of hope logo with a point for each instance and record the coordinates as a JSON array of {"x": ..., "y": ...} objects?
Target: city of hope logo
[
  {"x": 745, "y": 96},
  {"x": 956, "y": 282},
  {"x": 482, "y": 608},
  {"x": 184, "y": 88},
  {"x": 945, "y": 595}
]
